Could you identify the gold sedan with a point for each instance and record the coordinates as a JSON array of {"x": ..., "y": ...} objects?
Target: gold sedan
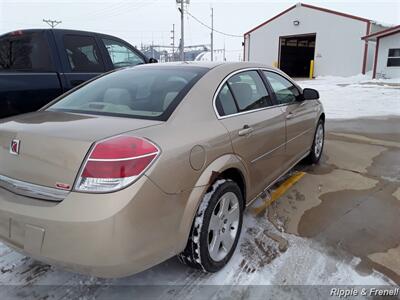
[{"x": 149, "y": 162}]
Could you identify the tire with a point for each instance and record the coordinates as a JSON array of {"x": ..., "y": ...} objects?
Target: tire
[
  {"x": 216, "y": 228},
  {"x": 318, "y": 144}
]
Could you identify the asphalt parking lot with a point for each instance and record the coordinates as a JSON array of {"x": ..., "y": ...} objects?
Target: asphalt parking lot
[
  {"x": 351, "y": 201},
  {"x": 335, "y": 224}
]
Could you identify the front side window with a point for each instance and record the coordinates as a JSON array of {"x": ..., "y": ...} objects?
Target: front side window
[
  {"x": 121, "y": 55},
  {"x": 249, "y": 91},
  {"x": 394, "y": 58},
  {"x": 27, "y": 52},
  {"x": 83, "y": 54},
  {"x": 145, "y": 93},
  {"x": 284, "y": 90}
]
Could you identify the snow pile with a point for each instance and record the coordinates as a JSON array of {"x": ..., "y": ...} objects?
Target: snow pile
[
  {"x": 304, "y": 262},
  {"x": 357, "y": 96},
  {"x": 385, "y": 81}
]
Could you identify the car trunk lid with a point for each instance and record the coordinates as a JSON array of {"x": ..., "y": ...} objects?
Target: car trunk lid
[{"x": 53, "y": 145}]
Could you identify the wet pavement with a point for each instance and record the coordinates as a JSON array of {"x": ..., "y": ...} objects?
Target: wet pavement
[
  {"x": 339, "y": 224},
  {"x": 350, "y": 202}
]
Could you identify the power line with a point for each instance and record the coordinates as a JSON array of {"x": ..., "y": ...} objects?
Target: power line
[
  {"x": 114, "y": 10},
  {"x": 100, "y": 12},
  {"x": 213, "y": 29}
]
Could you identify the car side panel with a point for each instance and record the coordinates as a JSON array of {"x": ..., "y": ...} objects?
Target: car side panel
[
  {"x": 300, "y": 128},
  {"x": 196, "y": 194},
  {"x": 22, "y": 92},
  {"x": 192, "y": 133},
  {"x": 300, "y": 119},
  {"x": 25, "y": 92},
  {"x": 263, "y": 149}
]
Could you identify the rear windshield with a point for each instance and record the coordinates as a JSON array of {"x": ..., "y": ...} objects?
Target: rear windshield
[
  {"x": 27, "y": 52},
  {"x": 139, "y": 92}
]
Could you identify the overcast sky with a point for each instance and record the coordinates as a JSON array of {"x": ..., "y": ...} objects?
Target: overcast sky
[{"x": 147, "y": 21}]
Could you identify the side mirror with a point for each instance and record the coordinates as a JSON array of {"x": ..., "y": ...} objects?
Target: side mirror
[
  {"x": 152, "y": 60},
  {"x": 310, "y": 94}
]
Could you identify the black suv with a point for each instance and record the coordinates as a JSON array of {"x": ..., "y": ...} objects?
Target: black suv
[{"x": 38, "y": 65}]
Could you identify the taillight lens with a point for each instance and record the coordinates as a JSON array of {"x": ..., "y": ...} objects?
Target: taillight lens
[{"x": 115, "y": 163}]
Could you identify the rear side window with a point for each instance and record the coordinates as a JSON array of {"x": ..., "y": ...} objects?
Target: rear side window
[
  {"x": 83, "y": 54},
  {"x": 145, "y": 93},
  {"x": 121, "y": 55},
  {"x": 27, "y": 52},
  {"x": 284, "y": 90},
  {"x": 225, "y": 102},
  {"x": 249, "y": 91}
]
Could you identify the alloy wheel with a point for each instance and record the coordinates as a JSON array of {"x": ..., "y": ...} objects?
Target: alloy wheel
[
  {"x": 319, "y": 140},
  {"x": 223, "y": 227}
]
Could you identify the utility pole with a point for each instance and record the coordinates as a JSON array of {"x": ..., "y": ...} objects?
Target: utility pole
[
  {"x": 182, "y": 10},
  {"x": 212, "y": 34},
  {"x": 52, "y": 23},
  {"x": 173, "y": 42}
]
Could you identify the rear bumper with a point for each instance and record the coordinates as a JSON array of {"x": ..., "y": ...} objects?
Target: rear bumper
[{"x": 105, "y": 235}]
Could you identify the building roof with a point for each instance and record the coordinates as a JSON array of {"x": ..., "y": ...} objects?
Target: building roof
[
  {"x": 382, "y": 33},
  {"x": 315, "y": 8}
]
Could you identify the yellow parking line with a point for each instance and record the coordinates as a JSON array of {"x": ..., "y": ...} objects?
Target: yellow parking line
[{"x": 276, "y": 194}]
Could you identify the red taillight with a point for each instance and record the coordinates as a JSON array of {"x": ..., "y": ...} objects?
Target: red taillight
[
  {"x": 115, "y": 163},
  {"x": 117, "y": 169},
  {"x": 123, "y": 147},
  {"x": 15, "y": 33}
]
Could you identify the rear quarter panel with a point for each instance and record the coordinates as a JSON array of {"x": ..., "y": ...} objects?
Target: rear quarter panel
[{"x": 193, "y": 125}]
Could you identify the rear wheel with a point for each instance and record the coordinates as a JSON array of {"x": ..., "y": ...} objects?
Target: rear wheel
[
  {"x": 216, "y": 228},
  {"x": 318, "y": 144}
]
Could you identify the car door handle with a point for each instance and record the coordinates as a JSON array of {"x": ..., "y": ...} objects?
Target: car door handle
[{"x": 246, "y": 130}]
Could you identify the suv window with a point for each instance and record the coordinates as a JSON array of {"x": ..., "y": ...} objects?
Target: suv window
[
  {"x": 284, "y": 90},
  {"x": 121, "y": 55},
  {"x": 249, "y": 91},
  {"x": 27, "y": 52},
  {"x": 83, "y": 53}
]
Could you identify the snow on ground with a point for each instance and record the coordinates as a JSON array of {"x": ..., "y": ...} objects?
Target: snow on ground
[
  {"x": 259, "y": 260},
  {"x": 357, "y": 96}
]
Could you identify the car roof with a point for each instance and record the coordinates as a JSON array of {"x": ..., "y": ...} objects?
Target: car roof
[
  {"x": 59, "y": 31},
  {"x": 208, "y": 65}
]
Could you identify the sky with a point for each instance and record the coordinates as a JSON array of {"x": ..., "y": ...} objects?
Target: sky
[{"x": 151, "y": 21}]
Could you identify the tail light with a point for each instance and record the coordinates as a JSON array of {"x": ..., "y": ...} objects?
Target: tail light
[
  {"x": 18, "y": 32},
  {"x": 115, "y": 163}
]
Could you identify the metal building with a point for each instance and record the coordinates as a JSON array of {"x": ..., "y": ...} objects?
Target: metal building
[
  {"x": 331, "y": 39},
  {"x": 387, "y": 52}
]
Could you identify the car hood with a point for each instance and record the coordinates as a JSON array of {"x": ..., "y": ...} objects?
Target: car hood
[{"x": 53, "y": 145}]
